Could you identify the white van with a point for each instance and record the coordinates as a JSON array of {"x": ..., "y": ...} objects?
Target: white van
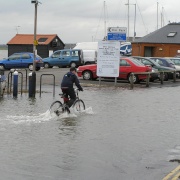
[{"x": 89, "y": 57}]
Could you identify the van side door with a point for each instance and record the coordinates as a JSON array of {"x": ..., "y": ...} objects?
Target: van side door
[
  {"x": 54, "y": 59},
  {"x": 65, "y": 58}
]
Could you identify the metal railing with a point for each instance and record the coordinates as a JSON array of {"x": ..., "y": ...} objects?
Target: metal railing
[
  {"x": 161, "y": 73},
  {"x": 53, "y": 82}
]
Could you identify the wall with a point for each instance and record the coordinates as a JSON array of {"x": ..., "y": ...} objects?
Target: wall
[{"x": 158, "y": 50}]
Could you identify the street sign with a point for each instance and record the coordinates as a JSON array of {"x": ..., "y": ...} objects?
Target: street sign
[
  {"x": 35, "y": 42},
  {"x": 122, "y": 30},
  {"x": 108, "y": 59},
  {"x": 116, "y": 33},
  {"x": 116, "y": 36}
]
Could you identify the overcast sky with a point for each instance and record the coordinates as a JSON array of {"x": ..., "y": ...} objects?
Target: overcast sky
[{"x": 84, "y": 20}]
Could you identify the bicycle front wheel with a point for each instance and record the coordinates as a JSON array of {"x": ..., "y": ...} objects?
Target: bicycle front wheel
[
  {"x": 78, "y": 106},
  {"x": 56, "y": 107}
]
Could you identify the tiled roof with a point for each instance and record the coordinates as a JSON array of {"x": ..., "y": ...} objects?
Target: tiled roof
[
  {"x": 29, "y": 38},
  {"x": 161, "y": 35}
]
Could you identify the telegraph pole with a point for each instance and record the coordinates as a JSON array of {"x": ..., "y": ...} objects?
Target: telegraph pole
[
  {"x": 33, "y": 77},
  {"x": 157, "y": 13},
  {"x": 104, "y": 20}
]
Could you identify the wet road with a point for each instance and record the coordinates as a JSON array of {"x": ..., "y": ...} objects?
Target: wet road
[{"x": 123, "y": 134}]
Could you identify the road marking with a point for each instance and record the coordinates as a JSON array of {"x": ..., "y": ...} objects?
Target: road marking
[
  {"x": 173, "y": 172},
  {"x": 176, "y": 177}
]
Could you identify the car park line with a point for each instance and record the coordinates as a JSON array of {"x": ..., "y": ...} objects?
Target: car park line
[{"x": 171, "y": 176}]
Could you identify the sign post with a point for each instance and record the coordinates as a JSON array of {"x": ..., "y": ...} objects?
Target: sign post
[{"x": 108, "y": 59}]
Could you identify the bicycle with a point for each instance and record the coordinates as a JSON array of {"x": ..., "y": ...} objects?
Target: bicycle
[{"x": 58, "y": 107}]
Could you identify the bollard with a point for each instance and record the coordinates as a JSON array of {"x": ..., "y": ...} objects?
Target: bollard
[
  {"x": 33, "y": 84},
  {"x": 161, "y": 77},
  {"x": 30, "y": 85},
  {"x": 147, "y": 79},
  {"x": 15, "y": 84},
  {"x": 174, "y": 76},
  {"x": 131, "y": 80}
]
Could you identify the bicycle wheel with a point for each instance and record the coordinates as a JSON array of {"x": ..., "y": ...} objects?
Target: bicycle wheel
[
  {"x": 78, "y": 106},
  {"x": 56, "y": 107}
]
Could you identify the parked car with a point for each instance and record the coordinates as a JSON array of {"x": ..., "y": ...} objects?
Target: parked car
[
  {"x": 151, "y": 62},
  {"x": 63, "y": 58},
  {"x": 127, "y": 66},
  {"x": 176, "y": 61},
  {"x": 21, "y": 60},
  {"x": 163, "y": 62}
]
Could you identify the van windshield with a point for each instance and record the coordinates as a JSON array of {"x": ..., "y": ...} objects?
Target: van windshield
[{"x": 74, "y": 53}]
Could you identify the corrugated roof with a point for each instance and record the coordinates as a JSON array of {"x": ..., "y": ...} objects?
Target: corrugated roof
[
  {"x": 161, "y": 35},
  {"x": 29, "y": 38}
]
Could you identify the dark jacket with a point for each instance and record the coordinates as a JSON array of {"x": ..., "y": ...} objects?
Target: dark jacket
[{"x": 69, "y": 79}]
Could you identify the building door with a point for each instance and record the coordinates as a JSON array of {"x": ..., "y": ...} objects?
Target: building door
[{"x": 148, "y": 51}]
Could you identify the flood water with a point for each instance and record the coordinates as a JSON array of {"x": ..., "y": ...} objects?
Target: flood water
[
  {"x": 123, "y": 134},
  {"x": 3, "y": 54}
]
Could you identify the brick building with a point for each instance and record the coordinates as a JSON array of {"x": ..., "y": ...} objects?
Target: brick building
[{"x": 164, "y": 42}]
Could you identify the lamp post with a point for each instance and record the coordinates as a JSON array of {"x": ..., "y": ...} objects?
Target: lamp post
[
  {"x": 135, "y": 22},
  {"x": 33, "y": 77}
]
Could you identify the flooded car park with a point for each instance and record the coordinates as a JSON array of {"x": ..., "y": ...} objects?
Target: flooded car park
[{"x": 123, "y": 134}]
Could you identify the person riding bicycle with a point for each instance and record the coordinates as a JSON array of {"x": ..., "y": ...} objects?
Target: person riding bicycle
[{"x": 67, "y": 85}]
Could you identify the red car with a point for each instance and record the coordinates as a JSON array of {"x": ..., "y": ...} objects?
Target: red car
[{"x": 127, "y": 66}]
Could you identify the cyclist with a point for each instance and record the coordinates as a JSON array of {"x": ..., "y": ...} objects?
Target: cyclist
[{"x": 67, "y": 85}]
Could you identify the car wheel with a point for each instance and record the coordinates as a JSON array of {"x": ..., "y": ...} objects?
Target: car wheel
[
  {"x": 166, "y": 77},
  {"x": 135, "y": 79},
  {"x": 46, "y": 65},
  {"x": 38, "y": 68},
  {"x": 2, "y": 67},
  {"x": 73, "y": 64},
  {"x": 30, "y": 67},
  {"x": 87, "y": 75}
]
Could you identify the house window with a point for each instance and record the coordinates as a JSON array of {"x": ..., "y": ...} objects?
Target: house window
[
  {"x": 42, "y": 39},
  {"x": 171, "y": 34}
]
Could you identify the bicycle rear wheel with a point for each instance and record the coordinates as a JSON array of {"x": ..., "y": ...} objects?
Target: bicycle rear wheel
[
  {"x": 56, "y": 107},
  {"x": 78, "y": 106}
]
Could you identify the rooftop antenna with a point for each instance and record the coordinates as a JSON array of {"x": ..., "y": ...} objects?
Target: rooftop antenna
[{"x": 17, "y": 28}]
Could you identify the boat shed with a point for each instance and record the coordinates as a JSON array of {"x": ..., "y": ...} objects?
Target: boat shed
[
  {"x": 164, "y": 42},
  {"x": 24, "y": 43}
]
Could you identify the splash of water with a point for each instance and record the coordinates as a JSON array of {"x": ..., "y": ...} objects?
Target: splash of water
[
  {"x": 32, "y": 118},
  {"x": 47, "y": 116}
]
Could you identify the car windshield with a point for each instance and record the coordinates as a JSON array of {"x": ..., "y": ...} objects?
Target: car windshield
[
  {"x": 169, "y": 61},
  {"x": 39, "y": 57},
  {"x": 135, "y": 61},
  {"x": 154, "y": 62}
]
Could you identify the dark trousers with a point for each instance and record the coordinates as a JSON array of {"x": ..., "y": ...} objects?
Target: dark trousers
[{"x": 71, "y": 94}]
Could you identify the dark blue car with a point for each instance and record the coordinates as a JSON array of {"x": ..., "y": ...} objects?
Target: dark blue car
[{"x": 21, "y": 60}]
